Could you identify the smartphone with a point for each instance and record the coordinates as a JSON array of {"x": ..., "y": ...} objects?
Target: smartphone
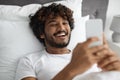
[{"x": 94, "y": 28}]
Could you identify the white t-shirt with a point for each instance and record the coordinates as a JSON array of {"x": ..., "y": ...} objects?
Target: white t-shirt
[{"x": 44, "y": 66}]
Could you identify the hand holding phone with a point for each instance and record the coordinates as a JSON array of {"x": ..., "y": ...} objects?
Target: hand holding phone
[{"x": 94, "y": 28}]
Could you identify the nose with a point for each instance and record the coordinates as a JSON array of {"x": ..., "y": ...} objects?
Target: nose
[{"x": 61, "y": 27}]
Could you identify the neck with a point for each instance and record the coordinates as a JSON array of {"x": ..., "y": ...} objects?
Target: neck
[{"x": 57, "y": 50}]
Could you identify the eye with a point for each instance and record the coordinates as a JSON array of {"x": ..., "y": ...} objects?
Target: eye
[
  {"x": 53, "y": 24},
  {"x": 65, "y": 23}
]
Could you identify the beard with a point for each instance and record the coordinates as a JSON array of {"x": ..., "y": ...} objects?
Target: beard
[{"x": 52, "y": 42}]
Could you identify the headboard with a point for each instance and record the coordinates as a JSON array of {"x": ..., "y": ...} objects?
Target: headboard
[
  {"x": 94, "y": 8},
  {"x": 24, "y": 2}
]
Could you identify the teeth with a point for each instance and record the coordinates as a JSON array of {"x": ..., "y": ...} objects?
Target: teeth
[{"x": 61, "y": 34}]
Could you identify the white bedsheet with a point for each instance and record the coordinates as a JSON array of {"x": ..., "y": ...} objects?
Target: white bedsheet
[{"x": 109, "y": 75}]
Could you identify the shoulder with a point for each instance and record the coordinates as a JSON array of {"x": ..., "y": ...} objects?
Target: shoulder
[{"x": 32, "y": 57}]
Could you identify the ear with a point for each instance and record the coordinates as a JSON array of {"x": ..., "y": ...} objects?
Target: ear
[{"x": 42, "y": 36}]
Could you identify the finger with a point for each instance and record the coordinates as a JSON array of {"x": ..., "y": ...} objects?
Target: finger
[
  {"x": 95, "y": 49},
  {"x": 104, "y": 40},
  {"x": 105, "y": 51},
  {"x": 99, "y": 49},
  {"x": 113, "y": 66},
  {"x": 107, "y": 60},
  {"x": 90, "y": 40},
  {"x": 100, "y": 54}
]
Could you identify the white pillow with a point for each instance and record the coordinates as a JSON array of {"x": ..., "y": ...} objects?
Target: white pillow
[
  {"x": 9, "y": 12},
  {"x": 16, "y": 38}
]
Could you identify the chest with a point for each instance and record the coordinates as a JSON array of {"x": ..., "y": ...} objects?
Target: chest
[{"x": 48, "y": 67}]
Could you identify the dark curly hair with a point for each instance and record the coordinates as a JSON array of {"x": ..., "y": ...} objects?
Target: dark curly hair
[{"x": 37, "y": 21}]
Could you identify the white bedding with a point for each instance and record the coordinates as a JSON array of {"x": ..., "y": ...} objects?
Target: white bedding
[
  {"x": 110, "y": 75},
  {"x": 17, "y": 40}
]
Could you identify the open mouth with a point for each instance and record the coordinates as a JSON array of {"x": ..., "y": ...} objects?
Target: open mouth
[{"x": 61, "y": 34}]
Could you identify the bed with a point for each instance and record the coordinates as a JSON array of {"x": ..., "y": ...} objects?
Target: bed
[{"x": 16, "y": 39}]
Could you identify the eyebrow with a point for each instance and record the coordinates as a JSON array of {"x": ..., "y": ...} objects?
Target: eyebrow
[
  {"x": 53, "y": 20},
  {"x": 50, "y": 21}
]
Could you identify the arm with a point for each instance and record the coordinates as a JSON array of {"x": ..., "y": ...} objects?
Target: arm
[{"x": 83, "y": 58}]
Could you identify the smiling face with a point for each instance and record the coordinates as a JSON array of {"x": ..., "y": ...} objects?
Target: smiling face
[{"x": 57, "y": 32}]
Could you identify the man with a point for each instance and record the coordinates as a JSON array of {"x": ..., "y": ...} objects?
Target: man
[{"x": 52, "y": 25}]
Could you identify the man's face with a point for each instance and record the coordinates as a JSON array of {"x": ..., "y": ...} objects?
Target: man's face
[{"x": 57, "y": 32}]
